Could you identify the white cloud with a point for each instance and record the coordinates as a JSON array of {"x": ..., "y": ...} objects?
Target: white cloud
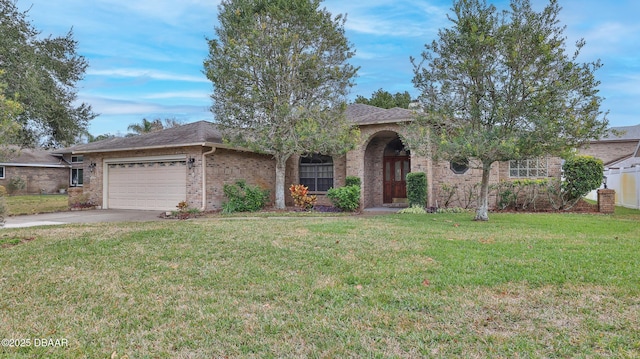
[{"x": 146, "y": 74}]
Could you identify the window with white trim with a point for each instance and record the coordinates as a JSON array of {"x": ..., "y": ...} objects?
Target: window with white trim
[
  {"x": 1, "y": 172},
  {"x": 316, "y": 172},
  {"x": 77, "y": 177},
  {"x": 534, "y": 167}
]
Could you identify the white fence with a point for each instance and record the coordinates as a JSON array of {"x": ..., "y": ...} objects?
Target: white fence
[{"x": 626, "y": 183}]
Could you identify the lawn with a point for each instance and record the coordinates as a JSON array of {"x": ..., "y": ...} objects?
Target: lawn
[
  {"x": 439, "y": 285},
  {"x": 33, "y": 204}
]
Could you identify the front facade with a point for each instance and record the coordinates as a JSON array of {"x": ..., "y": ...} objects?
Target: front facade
[
  {"x": 191, "y": 163},
  {"x": 35, "y": 171}
]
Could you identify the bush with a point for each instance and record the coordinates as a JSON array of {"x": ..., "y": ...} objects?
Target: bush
[
  {"x": 244, "y": 198},
  {"x": 417, "y": 189},
  {"x": 3, "y": 205},
  {"x": 16, "y": 184},
  {"x": 582, "y": 175},
  {"x": 353, "y": 181},
  {"x": 413, "y": 210},
  {"x": 299, "y": 193},
  {"x": 346, "y": 198}
]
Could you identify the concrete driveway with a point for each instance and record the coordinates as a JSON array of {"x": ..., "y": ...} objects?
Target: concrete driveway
[{"x": 93, "y": 216}]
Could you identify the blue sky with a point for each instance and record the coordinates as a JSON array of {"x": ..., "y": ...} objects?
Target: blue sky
[{"x": 145, "y": 56}]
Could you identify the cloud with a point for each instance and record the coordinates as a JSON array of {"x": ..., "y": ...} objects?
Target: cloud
[{"x": 146, "y": 74}]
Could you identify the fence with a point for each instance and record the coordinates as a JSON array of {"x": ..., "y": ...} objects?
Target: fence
[{"x": 626, "y": 183}]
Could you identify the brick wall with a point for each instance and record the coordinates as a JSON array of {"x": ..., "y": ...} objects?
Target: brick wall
[
  {"x": 610, "y": 151},
  {"x": 37, "y": 179}
]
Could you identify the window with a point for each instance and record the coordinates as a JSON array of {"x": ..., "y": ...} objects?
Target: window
[
  {"x": 536, "y": 167},
  {"x": 1, "y": 172},
  {"x": 459, "y": 166},
  {"x": 77, "y": 159},
  {"x": 77, "y": 177},
  {"x": 316, "y": 172}
]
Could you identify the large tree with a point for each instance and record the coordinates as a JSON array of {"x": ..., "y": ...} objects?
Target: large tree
[
  {"x": 41, "y": 74},
  {"x": 281, "y": 77},
  {"x": 384, "y": 99},
  {"x": 9, "y": 128},
  {"x": 499, "y": 86}
]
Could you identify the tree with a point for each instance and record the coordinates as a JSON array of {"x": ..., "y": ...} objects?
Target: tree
[
  {"x": 280, "y": 75},
  {"x": 145, "y": 126},
  {"x": 500, "y": 86},
  {"x": 385, "y": 99},
  {"x": 9, "y": 127},
  {"x": 41, "y": 74}
]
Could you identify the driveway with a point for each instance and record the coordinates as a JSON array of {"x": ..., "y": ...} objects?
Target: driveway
[{"x": 93, "y": 216}]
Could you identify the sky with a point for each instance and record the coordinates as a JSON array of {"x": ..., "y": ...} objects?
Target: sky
[{"x": 146, "y": 56}]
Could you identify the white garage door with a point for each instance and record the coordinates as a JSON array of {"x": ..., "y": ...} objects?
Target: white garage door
[{"x": 158, "y": 185}]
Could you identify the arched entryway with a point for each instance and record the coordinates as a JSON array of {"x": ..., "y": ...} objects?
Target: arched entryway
[{"x": 386, "y": 164}]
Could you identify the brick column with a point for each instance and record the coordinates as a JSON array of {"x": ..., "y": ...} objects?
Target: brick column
[{"x": 606, "y": 201}]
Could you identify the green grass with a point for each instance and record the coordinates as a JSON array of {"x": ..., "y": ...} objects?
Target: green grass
[
  {"x": 521, "y": 285},
  {"x": 33, "y": 204}
]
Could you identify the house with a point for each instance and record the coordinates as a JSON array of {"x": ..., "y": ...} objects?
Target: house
[
  {"x": 620, "y": 152},
  {"x": 156, "y": 171},
  {"x": 40, "y": 171},
  {"x": 619, "y": 149}
]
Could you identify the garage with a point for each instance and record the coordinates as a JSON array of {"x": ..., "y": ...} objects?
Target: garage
[{"x": 158, "y": 184}]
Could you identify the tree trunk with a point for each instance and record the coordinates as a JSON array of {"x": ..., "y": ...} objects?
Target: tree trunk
[
  {"x": 482, "y": 213},
  {"x": 281, "y": 169}
]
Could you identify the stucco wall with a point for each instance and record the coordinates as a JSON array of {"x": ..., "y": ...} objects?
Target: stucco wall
[{"x": 37, "y": 179}]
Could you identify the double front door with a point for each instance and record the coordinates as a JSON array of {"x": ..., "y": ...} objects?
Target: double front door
[{"x": 395, "y": 177}]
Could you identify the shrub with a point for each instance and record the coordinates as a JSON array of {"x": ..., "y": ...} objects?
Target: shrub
[
  {"x": 16, "y": 184},
  {"x": 413, "y": 210},
  {"x": 582, "y": 175},
  {"x": 244, "y": 198},
  {"x": 301, "y": 198},
  {"x": 3, "y": 205},
  {"x": 353, "y": 181},
  {"x": 346, "y": 198},
  {"x": 417, "y": 189}
]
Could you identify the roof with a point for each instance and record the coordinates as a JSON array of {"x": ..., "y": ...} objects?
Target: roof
[
  {"x": 191, "y": 134},
  {"x": 362, "y": 114},
  {"x": 205, "y": 133},
  {"x": 627, "y": 133},
  {"x": 33, "y": 157}
]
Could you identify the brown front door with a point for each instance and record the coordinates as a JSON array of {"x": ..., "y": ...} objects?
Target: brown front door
[{"x": 395, "y": 175}]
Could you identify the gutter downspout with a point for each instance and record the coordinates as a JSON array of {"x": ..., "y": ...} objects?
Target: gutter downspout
[{"x": 204, "y": 177}]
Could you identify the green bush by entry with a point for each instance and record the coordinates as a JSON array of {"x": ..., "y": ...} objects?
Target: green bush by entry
[
  {"x": 417, "y": 189},
  {"x": 346, "y": 198},
  {"x": 353, "y": 181},
  {"x": 244, "y": 198}
]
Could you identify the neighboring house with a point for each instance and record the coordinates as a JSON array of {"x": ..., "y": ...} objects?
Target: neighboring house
[
  {"x": 156, "y": 171},
  {"x": 617, "y": 150},
  {"x": 620, "y": 153},
  {"x": 41, "y": 171}
]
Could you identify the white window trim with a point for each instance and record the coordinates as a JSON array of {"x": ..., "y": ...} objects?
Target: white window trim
[
  {"x": 71, "y": 177},
  {"x": 2, "y": 175}
]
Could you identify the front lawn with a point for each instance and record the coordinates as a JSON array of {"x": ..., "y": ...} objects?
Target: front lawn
[
  {"x": 440, "y": 285},
  {"x": 34, "y": 204}
]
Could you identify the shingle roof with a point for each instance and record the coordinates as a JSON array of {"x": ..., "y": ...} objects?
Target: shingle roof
[
  {"x": 200, "y": 132},
  {"x": 206, "y": 132},
  {"x": 35, "y": 157},
  {"x": 362, "y": 114},
  {"x": 628, "y": 133}
]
